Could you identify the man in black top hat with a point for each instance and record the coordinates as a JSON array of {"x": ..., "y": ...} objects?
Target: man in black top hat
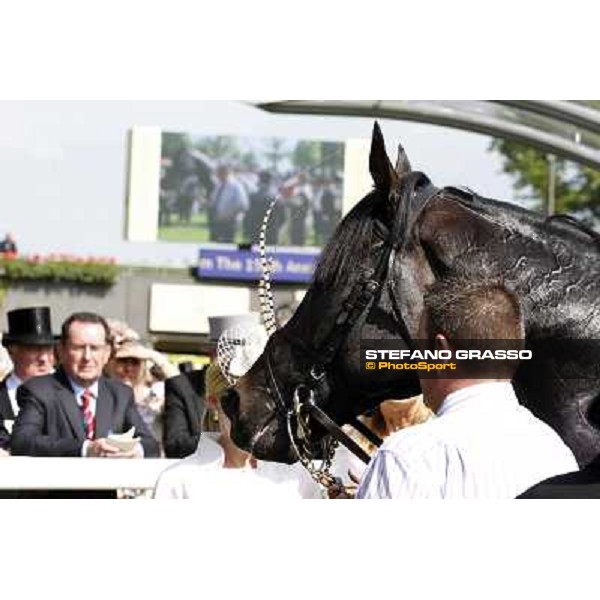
[{"x": 30, "y": 343}]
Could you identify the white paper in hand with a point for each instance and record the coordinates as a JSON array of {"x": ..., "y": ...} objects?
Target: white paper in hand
[{"x": 123, "y": 441}]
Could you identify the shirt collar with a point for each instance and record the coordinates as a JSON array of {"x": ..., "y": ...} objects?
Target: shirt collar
[
  {"x": 496, "y": 391},
  {"x": 209, "y": 451},
  {"x": 78, "y": 390},
  {"x": 13, "y": 382}
]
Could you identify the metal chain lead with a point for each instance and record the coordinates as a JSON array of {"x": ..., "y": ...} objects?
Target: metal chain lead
[
  {"x": 267, "y": 302},
  {"x": 322, "y": 474}
]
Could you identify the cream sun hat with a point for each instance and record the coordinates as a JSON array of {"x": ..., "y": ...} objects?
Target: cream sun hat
[{"x": 133, "y": 349}]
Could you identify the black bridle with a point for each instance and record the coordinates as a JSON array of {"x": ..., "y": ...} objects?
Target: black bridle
[{"x": 414, "y": 194}]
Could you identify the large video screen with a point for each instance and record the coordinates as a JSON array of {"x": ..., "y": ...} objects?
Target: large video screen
[{"x": 218, "y": 189}]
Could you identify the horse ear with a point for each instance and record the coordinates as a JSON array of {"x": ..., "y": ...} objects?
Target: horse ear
[
  {"x": 402, "y": 163},
  {"x": 382, "y": 171}
]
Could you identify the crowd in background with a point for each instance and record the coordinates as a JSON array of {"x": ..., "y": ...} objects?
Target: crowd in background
[
  {"x": 235, "y": 199},
  {"x": 80, "y": 393},
  {"x": 31, "y": 349},
  {"x": 175, "y": 410}
]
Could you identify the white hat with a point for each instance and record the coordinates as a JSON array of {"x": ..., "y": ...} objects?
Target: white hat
[
  {"x": 217, "y": 325},
  {"x": 238, "y": 349},
  {"x": 133, "y": 349}
]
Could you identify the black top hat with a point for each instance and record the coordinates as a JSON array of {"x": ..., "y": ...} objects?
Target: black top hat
[{"x": 29, "y": 326}]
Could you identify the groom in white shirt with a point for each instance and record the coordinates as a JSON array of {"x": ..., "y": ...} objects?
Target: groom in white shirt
[{"x": 482, "y": 443}]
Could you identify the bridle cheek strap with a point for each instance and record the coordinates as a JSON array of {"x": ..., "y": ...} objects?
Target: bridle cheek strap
[{"x": 365, "y": 291}]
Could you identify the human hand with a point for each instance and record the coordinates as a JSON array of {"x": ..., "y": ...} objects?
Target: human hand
[
  {"x": 136, "y": 452},
  {"x": 162, "y": 362},
  {"x": 121, "y": 454},
  {"x": 354, "y": 477},
  {"x": 338, "y": 491},
  {"x": 101, "y": 448}
]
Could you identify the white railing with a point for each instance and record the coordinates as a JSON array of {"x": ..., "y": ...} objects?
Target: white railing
[{"x": 34, "y": 473}]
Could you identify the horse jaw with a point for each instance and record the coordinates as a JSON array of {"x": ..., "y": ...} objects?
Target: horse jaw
[{"x": 256, "y": 425}]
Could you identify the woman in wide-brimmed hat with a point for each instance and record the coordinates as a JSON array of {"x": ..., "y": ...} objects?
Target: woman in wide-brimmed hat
[{"x": 130, "y": 363}]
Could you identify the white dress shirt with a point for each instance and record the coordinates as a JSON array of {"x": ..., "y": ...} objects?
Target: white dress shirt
[
  {"x": 12, "y": 383},
  {"x": 202, "y": 476},
  {"x": 483, "y": 444}
]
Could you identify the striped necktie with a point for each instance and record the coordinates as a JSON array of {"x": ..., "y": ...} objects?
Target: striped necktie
[{"x": 89, "y": 423}]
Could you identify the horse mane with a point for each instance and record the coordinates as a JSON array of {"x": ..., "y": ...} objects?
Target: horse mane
[
  {"x": 349, "y": 245},
  {"x": 352, "y": 244},
  {"x": 577, "y": 224},
  {"x": 352, "y": 241}
]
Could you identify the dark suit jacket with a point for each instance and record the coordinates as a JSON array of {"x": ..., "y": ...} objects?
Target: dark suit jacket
[
  {"x": 50, "y": 421},
  {"x": 579, "y": 484},
  {"x": 6, "y": 412},
  {"x": 4, "y": 436},
  {"x": 184, "y": 407}
]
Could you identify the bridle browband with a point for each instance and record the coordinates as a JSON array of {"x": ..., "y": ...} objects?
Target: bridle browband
[{"x": 413, "y": 195}]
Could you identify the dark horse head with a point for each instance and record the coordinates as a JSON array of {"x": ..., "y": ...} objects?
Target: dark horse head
[{"x": 405, "y": 234}]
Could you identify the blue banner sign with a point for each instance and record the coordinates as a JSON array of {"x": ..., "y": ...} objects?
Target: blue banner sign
[{"x": 236, "y": 265}]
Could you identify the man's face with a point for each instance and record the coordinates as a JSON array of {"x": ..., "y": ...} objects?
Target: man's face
[
  {"x": 85, "y": 353},
  {"x": 31, "y": 361}
]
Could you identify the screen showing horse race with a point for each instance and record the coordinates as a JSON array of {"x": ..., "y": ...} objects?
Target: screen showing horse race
[
  {"x": 207, "y": 189},
  {"x": 218, "y": 189}
]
